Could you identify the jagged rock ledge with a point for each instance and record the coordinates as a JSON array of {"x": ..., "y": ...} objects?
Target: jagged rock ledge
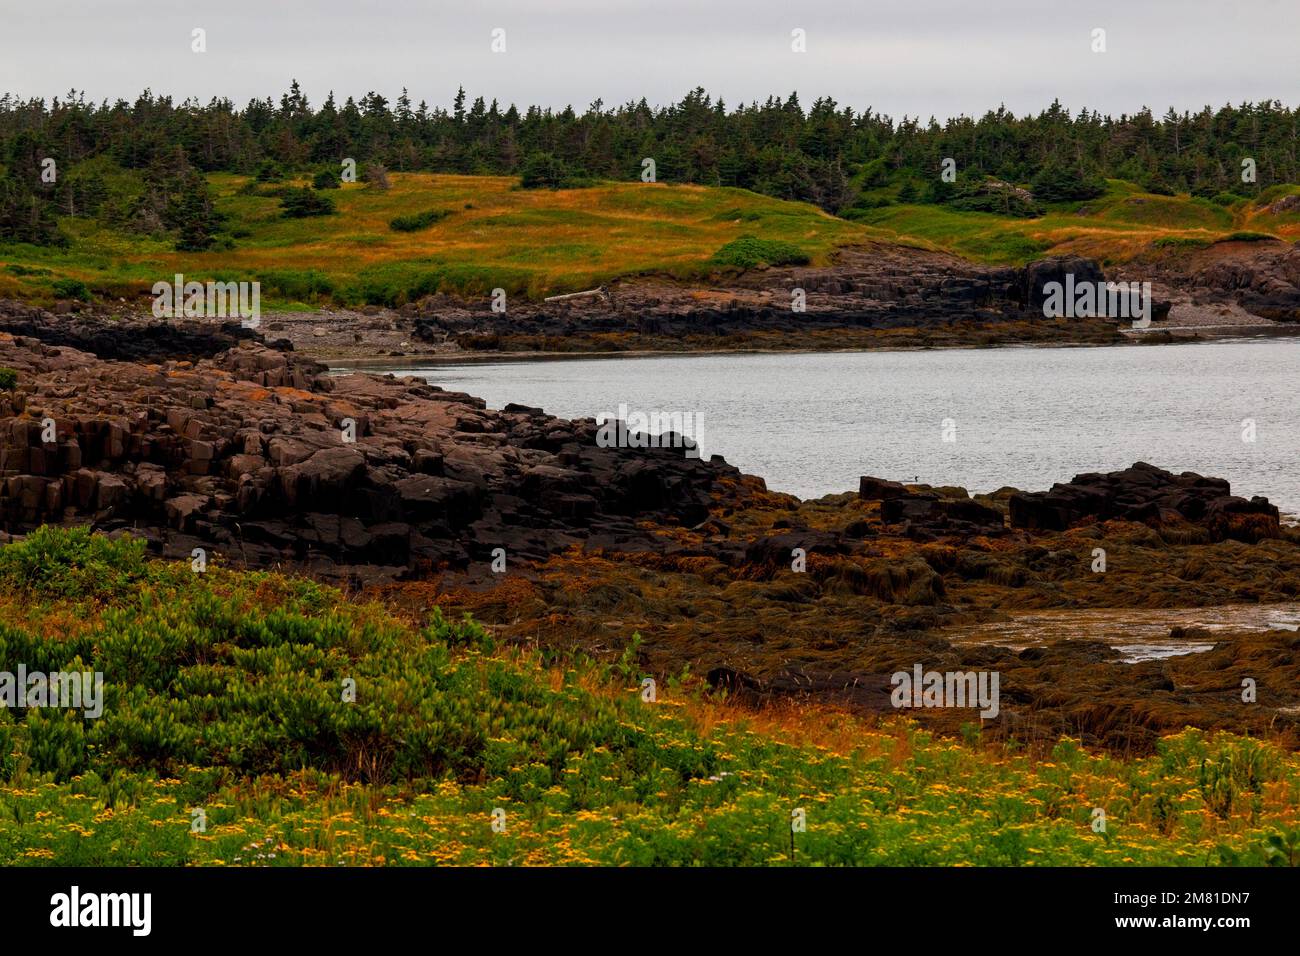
[{"x": 246, "y": 453}]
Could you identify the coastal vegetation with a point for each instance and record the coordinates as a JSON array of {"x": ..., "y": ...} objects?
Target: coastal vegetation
[
  {"x": 426, "y": 234},
  {"x": 466, "y": 235},
  {"x": 227, "y": 739}
]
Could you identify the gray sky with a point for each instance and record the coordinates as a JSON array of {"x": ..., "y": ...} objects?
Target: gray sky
[{"x": 919, "y": 57}]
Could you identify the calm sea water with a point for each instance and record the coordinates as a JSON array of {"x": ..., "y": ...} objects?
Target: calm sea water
[{"x": 812, "y": 424}]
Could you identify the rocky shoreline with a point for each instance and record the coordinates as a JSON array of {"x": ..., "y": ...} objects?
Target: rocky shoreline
[
  {"x": 201, "y": 437},
  {"x": 875, "y": 296}
]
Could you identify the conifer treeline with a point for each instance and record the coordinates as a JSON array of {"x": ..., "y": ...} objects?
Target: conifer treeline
[{"x": 826, "y": 154}]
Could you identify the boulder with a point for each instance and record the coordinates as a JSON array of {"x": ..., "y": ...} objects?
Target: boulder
[
  {"x": 878, "y": 489},
  {"x": 1147, "y": 494}
]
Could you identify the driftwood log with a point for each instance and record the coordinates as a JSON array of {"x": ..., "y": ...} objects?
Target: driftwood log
[{"x": 601, "y": 293}]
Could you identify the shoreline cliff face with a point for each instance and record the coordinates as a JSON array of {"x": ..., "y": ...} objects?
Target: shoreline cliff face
[{"x": 206, "y": 438}]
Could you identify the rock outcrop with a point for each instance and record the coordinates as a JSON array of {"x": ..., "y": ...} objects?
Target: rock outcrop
[
  {"x": 1260, "y": 277},
  {"x": 259, "y": 455},
  {"x": 877, "y": 288},
  {"x": 1150, "y": 495},
  {"x": 925, "y": 513},
  {"x": 128, "y": 340}
]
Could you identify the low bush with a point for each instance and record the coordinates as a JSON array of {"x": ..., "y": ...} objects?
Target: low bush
[
  {"x": 326, "y": 179},
  {"x": 418, "y": 221},
  {"x": 71, "y": 289},
  {"x": 71, "y": 563},
  {"x": 749, "y": 252},
  {"x": 304, "y": 202}
]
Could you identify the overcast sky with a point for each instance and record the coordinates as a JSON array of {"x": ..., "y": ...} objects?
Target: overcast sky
[{"x": 919, "y": 57}]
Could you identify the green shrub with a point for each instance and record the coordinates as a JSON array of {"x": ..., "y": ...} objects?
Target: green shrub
[
  {"x": 419, "y": 220},
  {"x": 8, "y": 379},
  {"x": 1057, "y": 182},
  {"x": 326, "y": 179},
  {"x": 18, "y": 270},
  {"x": 395, "y": 284},
  {"x": 71, "y": 563},
  {"x": 543, "y": 171},
  {"x": 304, "y": 202},
  {"x": 269, "y": 172},
  {"x": 468, "y": 633},
  {"x": 1248, "y": 237},
  {"x": 56, "y": 743},
  {"x": 300, "y": 285},
  {"x": 748, "y": 252},
  {"x": 1181, "y": 242},
  {"x": 71, "y": 289},
  {"x": 981, "y": 194}
]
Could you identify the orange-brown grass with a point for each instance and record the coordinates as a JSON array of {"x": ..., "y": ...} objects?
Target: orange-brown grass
[
  {"x": 495, "y": 235},
  {"x": 1115, "y": 227}
]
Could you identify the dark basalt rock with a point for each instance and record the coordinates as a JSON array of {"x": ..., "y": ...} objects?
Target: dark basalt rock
[
  {"x": 867, "y": 293},
  {"x": 878, "y": 489},
  {"x": 929, "y": 512},
  {"x": 912, "y": 507},
  {"x": 1150, "y": 495},
  {"x": 777, "y": 551},
  {"x": 1038, "y": 274},
  {"x": 245, "y": 453},
  {"x": 131, "y": 340}
]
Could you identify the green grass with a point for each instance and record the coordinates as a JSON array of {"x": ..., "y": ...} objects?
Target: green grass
[
  {"x": 225, "y": 693},
  {"x": 493, "y": 234},
  {"x": 468, "y": 235},
  {"x": 1122, "y": 223}
]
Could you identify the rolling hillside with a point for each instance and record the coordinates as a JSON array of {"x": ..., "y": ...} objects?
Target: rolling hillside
[
  {"x": 491, "y": 234},
  {"x": 486, "y": 232}
]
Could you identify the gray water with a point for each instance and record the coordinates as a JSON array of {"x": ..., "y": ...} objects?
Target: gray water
[
  {"x": 811, "y": 424},
  {"x": 1139, "y": 634}
]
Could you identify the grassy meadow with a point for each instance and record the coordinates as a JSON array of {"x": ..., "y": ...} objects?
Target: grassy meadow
[
  {"x": 490, "y": 234},
  {"x": 1114, "y": 227},
  {"x": 467, "y": 235},
  {"x": 225, "y": 692}
]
